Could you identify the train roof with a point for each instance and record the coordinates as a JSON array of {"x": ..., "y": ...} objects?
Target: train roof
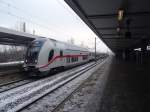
[
  {"x": 68, "y": 46},
  {"x": 64, "y": 45}
]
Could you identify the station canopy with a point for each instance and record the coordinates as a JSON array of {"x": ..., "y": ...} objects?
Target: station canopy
[
  {"x": 11, "y": 37},
  {"x": 121, "y": 24}
]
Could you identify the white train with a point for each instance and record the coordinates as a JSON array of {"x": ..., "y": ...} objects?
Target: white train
[{"x": 44, "y": 55}]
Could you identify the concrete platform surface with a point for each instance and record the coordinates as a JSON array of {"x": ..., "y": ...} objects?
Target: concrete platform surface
[{"x": 127, "y": 88}]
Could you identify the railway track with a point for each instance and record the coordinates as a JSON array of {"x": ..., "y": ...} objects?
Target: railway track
[
  {"x": 59, "y": 85},
  {"x": 9, "y": 77},
  {"x": 23, "y": 96},
  {"x": 55, "y": 100},
  {"x": 14, "y": 84},
  {"x": 16, "y": 99},
  {"x": 2, "y": 73},
  {"x": 59, "y": 105},
  {"x": 13, "y": 79},
  {"x": 69, "y": 89},
  {"x": 17, "y": 83}
]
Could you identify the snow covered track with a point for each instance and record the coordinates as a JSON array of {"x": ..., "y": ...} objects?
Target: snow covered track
[
  {"x": 85, "y": 78},
  {"x": 20, "y": 97},
  {"x": 2, "y": 74},
  {"x": 14, "y": 84}
]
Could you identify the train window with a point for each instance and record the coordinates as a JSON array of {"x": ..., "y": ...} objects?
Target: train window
[
  {"x": 68, "y": 59},
  {"x": 51, "y": 54},
  {"x": 61, "y": 53},
  {"x": 33, "y": 51},
  {"x": 84, "y": 57},
  {"x": 73, "y": 59}
]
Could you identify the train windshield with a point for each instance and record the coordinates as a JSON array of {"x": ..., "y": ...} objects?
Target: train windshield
[{"x": 33, "y": 51}]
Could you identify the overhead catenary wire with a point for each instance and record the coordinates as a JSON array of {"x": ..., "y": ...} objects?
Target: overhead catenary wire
[{"x": 37, "y": 23}]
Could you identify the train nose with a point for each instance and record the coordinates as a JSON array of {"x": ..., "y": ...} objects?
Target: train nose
[
  {"x": 31, "y": 70},
  {"x": 25, "y": 68}
]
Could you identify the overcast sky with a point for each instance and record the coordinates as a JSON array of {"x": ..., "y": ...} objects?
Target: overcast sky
[{"x": 50, "y": 18}]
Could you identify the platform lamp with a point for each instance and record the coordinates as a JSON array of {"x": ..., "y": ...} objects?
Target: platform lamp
[
  {"x": 120, "y": 14},
  {"x": 120, "y": 17}
]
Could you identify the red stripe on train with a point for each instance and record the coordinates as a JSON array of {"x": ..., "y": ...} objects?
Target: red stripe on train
[{"x": 57, "y": 57}]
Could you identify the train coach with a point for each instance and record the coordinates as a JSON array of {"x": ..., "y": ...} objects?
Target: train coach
[{"x": 44, "y": 55}]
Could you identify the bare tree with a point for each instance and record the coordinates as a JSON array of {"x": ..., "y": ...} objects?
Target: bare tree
[{"x": 12, "y": 53}]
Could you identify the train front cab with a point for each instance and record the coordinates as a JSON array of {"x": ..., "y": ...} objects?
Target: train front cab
[{"x": 31, "y": 58}]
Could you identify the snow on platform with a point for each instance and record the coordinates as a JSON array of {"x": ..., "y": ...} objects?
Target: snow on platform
[{"x": 13, "y": 63}]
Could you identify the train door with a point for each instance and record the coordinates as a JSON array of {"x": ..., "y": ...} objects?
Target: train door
[{"x": 62, "y": 60}]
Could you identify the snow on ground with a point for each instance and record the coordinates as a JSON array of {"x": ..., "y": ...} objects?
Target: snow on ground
[
  {"x": 15, "y": 99},
  {"x": 88, "y": 98},
  {"x": 49, "y": 102}
]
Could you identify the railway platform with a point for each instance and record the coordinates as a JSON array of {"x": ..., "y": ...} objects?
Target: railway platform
[{"x": 127, "y": 88}]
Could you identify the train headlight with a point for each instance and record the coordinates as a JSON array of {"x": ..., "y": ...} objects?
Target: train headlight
[{"x": 35, "y": 61}]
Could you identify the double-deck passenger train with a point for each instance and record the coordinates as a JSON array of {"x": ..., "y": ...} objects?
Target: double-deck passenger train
[{"x": 44, "y": 55}]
